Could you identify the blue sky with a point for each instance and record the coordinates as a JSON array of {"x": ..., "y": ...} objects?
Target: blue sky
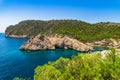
[{"x": 14, "y": 11}]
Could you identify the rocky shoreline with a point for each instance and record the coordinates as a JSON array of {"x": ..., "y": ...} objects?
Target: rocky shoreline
[
  {"x": 109, "y": 43},
  {"x": 16, "y": 36},
  {"x": 47, "y": 42},
  {"x": 44, "y": 42}
]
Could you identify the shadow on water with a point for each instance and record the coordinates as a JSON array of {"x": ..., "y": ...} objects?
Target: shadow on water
[{"x": 100, "y": 48}]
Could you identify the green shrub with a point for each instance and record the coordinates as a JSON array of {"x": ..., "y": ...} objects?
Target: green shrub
[{"x": 81, "y": 67}]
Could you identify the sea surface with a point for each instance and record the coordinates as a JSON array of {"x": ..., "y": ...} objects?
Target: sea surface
[{"x": 16, "y": 63}]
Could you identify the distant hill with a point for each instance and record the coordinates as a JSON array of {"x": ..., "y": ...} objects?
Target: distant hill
[{"x": 80, "y": 30}]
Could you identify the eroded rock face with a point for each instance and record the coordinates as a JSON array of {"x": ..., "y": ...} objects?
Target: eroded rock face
[
  {"x": 16, "y": 36},
  {"x": 44, "y": 42},
  {"x": 110, "y": 43}
]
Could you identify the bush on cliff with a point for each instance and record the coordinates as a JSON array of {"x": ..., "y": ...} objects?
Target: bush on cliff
[{"x": 81, "y": 67}]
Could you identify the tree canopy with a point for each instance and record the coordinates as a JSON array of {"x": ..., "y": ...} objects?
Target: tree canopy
[{"x": 80, "y": 30}]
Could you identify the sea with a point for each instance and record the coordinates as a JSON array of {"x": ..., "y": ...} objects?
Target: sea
[{"x": 16, "y": 63}]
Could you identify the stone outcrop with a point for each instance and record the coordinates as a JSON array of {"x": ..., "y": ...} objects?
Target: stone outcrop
[
  {"x": 44, "y": 42},
  {"x": 103, "y": 53},
  {"x": 110, "y": 43},
  {"x": 16, "y": 36}
]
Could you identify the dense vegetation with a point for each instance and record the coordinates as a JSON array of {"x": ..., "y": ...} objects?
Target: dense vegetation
[
  {"x": 77, "y": 29},
  {"x": 81, "y": 67}
]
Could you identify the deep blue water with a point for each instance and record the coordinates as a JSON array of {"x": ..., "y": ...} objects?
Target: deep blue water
[{"x": 15, "y": 63}]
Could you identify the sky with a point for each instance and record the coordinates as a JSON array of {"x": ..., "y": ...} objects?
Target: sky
[{"x": 92, "y": 11}]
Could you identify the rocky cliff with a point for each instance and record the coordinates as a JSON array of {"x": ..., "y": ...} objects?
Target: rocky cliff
[{"x": 44, "y": 42}]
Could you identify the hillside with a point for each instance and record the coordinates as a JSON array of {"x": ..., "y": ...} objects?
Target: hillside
[{"x": 73, "y": 28}]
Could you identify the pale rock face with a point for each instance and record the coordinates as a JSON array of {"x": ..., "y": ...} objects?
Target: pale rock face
[
  {"x": 110, "y": 43},
  {"x": 45, "y": 42},
  {"x": 17, "y": 36},
  {"x": 104, "y": 53}
]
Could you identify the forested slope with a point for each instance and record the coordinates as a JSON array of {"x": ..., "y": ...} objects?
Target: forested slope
[{"x": 73, "y": 28}]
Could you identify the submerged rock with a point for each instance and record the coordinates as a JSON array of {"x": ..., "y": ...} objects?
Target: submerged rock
[{"x": 44, "y": 42}]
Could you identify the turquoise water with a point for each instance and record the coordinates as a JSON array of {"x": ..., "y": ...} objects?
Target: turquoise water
[{"x": 15, "y": 63}]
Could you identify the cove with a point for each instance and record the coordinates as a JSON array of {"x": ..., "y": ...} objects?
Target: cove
[{"x": 16, "y": 63}]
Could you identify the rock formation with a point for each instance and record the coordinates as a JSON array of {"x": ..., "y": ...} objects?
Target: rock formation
[
  {"x": 16, "y": 36},
  {"x": 44, "y": 42},
  {"x": 110, "y": 43}
]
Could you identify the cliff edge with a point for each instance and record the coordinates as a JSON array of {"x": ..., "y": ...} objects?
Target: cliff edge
[{"x": 45, "y": 42}]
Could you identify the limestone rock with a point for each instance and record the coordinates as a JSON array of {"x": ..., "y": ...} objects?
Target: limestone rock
[
  {"x": 16, "y": 36},
  {"x": 110, "y": 43},
  {"x": 44, "y": 42}
]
